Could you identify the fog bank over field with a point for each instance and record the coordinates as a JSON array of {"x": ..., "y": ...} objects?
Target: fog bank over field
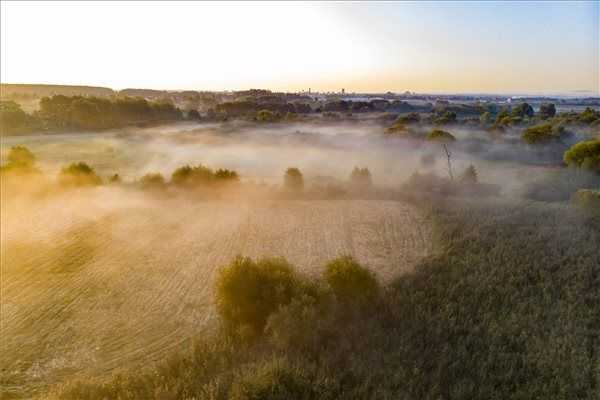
[{"x": 323, "y": 150}]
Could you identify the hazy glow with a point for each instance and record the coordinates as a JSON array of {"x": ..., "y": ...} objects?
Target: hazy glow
[{"x": 438, "y": 46}]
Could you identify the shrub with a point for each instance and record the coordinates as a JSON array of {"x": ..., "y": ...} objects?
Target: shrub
[
  {"x": 304, "y": 322},
  {"x": 225, "y": 175},
  {"x": 273, "y": 381},
  {"x": 543, "y": 134},
  {"x": 522, "y": 110},
  {"x": 547, "y": 110},
  {"x": 248, "y": 292},
  {"x": 350, "y": 281},
  {"x": 410, "y": 118},
  {"x": 192, "y": 176},
  {"x": 447, "y": 117},
  {"x": 293, "y": 180},
  {"x": 584, "y": 155},
  {"x": 20, "y": 160},
  {"x": 438, "y": 135},
  {"x": 152, "y": 181},
  {"x": 267, "y": 116},
  {"x": 79, "y": 174},
  {"x": 361, "y": 177}
]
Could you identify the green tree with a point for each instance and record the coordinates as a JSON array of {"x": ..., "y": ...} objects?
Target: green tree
[
  {"x": 585, "y": 155},
  {"x": 522, "y": 110},
  {"x": 79, "y": 174},
  {"x": 248, "y": 292},
  {"x": 350, "y": 282},
  {"x": 438, "y": 135},
  {"x": 547, "y": 110}
]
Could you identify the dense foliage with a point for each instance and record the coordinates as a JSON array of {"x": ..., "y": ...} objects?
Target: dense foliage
[
  {"x": 584, "y": 155},
  {"x": 61, "y": 112},
  {"x": 79, "y": 174},
  {"x": 438, "y": 135}
]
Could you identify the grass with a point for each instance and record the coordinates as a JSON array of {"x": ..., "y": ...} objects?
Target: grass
[{"x": 506, "y": 309}]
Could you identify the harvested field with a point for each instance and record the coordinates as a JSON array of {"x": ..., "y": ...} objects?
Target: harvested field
[{"x": 97, "y": 281}]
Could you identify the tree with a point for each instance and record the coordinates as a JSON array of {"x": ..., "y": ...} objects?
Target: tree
[
  {"x": 293, "y": 180},
  {"x": 469, "y": 175},
  {"x": 522, "y": 110},
  {"x": 12, "y": 118},
  {"x": 543, "y": 134},
  {"x": 447, "y": 117},
  {"x": 79, "y": 174},
  {"x": 438, "y": 135},
  {"x": 585, "y": 155},
  {"x": 248, "y": 292},
  {"x": 152, "y": 181},
  {"x": 20, "y": 157},
  {"x": 192, "y": 176},
  {"x": 361, "y": 177},
  {"x": 547, "y": 110},
  {"x": 350, "y": 281}
]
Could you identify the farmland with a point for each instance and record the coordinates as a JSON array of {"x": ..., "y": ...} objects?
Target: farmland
[{"x": 102, "y": 278}]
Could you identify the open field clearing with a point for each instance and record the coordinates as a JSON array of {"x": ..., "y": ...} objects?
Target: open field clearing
[{"x": 100, "y": 280}]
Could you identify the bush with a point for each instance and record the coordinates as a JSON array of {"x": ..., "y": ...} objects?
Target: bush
[
  {"x": 584, "y": 155},
  {"x": 293, "y": 180},
  {"x": 199, "y": 175},
  {"x": 350, "y": 281},
  {"x": 152, "y": 181},
  {"x": 20, "y": 160},
  {"x": 410, "y": 118},
  {"x": 543, "y": 134},
  {"x": 248, "y": 292},
  {"x": 547, "y": 110},
  {"x": 267, "y": 116},
  {"x": 361, "y": 177},
  {"x": 304, "y": 322},
  {"x": 79, "y": 174},
  {"x": 273, "y": 381},
  {"x": 438, "y": 135}
]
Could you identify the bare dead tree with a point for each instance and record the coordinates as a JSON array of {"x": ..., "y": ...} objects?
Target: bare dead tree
[{"x": 448, "y": 156}]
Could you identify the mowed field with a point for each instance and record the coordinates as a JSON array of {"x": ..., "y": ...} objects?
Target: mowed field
[{"x": 103, "y": 279}]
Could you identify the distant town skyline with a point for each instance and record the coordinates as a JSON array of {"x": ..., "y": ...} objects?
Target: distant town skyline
[{"x": 426, "y": 47}]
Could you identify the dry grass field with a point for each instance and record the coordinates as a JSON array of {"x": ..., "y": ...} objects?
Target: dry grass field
[{"x": 104, "y": 279}]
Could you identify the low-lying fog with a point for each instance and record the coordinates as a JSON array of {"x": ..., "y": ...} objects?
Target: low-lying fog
[{"x": 261, "y": 153}]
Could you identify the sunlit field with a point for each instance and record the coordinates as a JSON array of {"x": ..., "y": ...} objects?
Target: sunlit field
[{"x": 299, "y": 200}]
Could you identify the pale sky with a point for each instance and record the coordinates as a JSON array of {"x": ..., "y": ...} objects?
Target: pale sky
[{"x": 537, "y": 47}]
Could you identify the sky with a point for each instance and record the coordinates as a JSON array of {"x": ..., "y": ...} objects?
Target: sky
[{"x": 434, "y": 47}]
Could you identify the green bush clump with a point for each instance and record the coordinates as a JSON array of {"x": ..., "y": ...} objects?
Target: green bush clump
[
  {"x": 79, "y": 174},
  {"x": 584, "y": 155},
  {"x": 248, "y": 292},
  {"x": 20, "y": 160},
  {"x": 438, "y": 135},
  {"x": 350, "y": 282},
  {"x": 200, "y": 175},
  {"x": 543, "y": 134}
]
